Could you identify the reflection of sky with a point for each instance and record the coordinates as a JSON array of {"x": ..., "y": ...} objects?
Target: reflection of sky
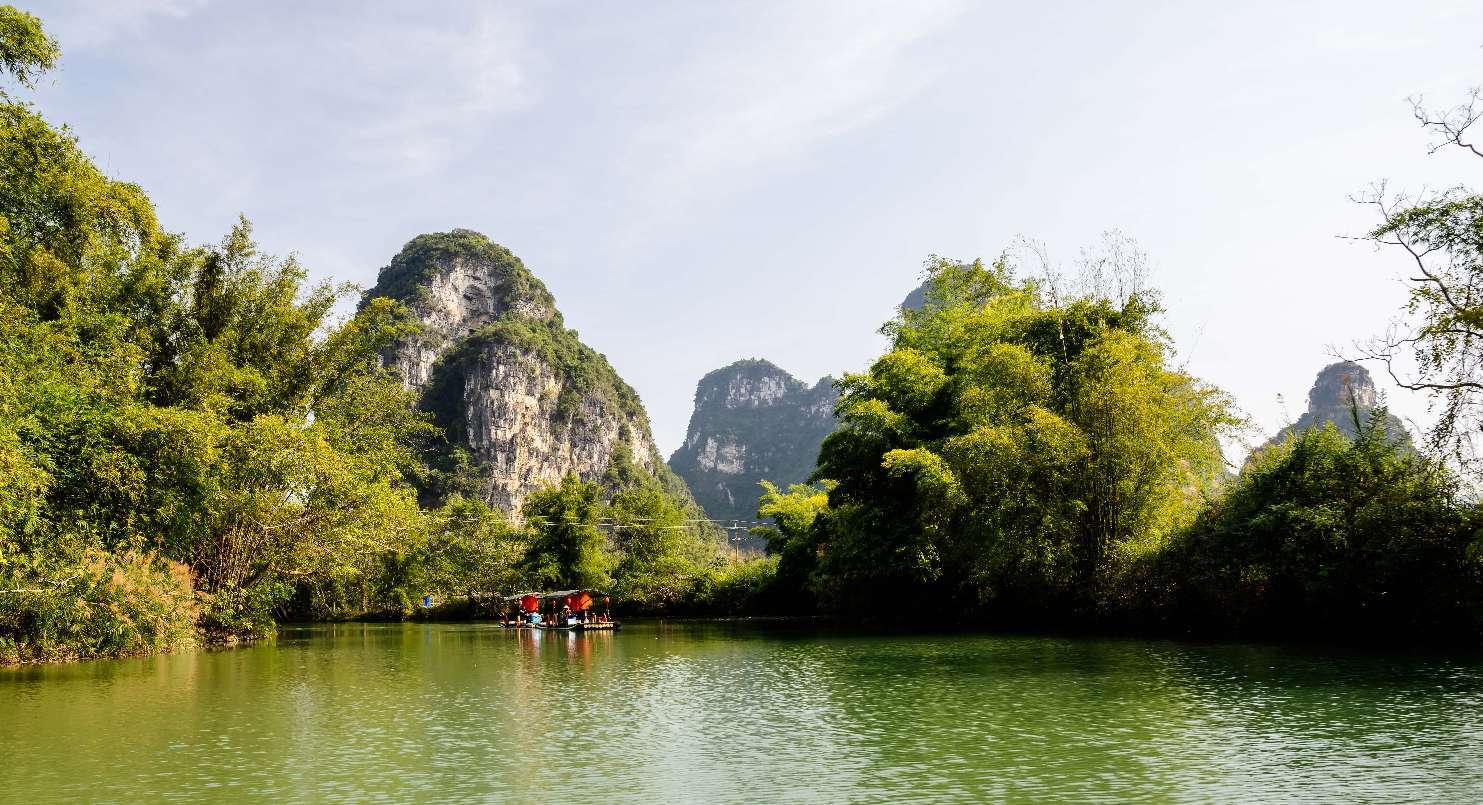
[
  {"x": 704, "y": 713},
  {"x": 702, "y": 182}
]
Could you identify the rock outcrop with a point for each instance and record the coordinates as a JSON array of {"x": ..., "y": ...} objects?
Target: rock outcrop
[
  {"x": 917, "y": 299},
  {"x": 456, "y": 283},
  {"x": 1344, "y": 394},
  {"x": 752, "y": 422},
  {"x": 504, "y": 378}
]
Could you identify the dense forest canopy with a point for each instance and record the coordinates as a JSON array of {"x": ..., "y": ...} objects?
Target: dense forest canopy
[{"x": 191, "y": 432}]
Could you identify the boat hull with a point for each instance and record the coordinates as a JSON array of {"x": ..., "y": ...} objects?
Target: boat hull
[{"x": 581, "y": 627}]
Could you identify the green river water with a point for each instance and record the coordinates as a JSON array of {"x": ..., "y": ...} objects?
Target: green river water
[{"x": 708, "y": 712}]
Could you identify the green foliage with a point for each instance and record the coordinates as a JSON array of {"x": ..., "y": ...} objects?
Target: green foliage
[
  {"x": 472, "y": 548},
  {"x": 67, "y": 232},
  {"x": 1024, "y": 455},
  {"x": 241, "y": 334},
  {"x": 567, "y": 549},
  {"x": 650, "y": 540},
  {"x": 791, "y": 539},
  {"x": 745, "y": 587},
  {"x": 1013, "y": 450},
  {"x": 1324, "y": 536},
  {"x": 1439, "y": 239},
  {"x": 25, "y": 50},
  {"x": 94, "y": 603},
  {"x": 642, "y": 543},
  {"x": 1443, "y": 239},
  {"x": 188, "y": 437}
]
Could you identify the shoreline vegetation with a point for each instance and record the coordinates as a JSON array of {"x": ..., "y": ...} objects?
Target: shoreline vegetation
[{"x": 196, "y": 450}]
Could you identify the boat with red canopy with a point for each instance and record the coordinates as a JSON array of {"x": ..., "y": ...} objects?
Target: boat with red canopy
[
  {"x": 522, "y": 610},
  {"x": 577, "y": 610}
]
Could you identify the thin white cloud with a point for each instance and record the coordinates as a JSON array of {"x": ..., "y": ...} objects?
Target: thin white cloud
[
  {"x": 798, "y": 76},
  {"x": 432, "y": 92},
  {"x": 83, "y": 25}
]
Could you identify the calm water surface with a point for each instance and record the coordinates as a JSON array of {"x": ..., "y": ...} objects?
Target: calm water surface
[{"x": 716, "y": 712}]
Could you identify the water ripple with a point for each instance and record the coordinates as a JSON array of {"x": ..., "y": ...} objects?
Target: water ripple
[{"x": 697, "y": 712}]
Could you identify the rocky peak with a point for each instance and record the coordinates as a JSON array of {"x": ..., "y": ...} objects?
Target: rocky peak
[
  {"x": 1339, "y": 386},
  {"x": 752, "y": 422},
  {"x": 456, "y": 283},
  {"x": 1341, "y": 391},
  {"x": 917, "y": 299},
  {"x": 746, "y": 384},
  {"x": 510, "y": 386}
]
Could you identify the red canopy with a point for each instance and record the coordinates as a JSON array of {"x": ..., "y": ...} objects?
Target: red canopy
[
  {"x": 579, "y": 601},
  {"x": 530, "y": 603}
]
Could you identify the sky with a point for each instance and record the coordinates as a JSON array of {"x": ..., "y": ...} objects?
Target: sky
[{"x": 703, "y": 182}]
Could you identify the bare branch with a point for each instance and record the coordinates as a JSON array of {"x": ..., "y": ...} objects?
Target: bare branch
[{"x": 1451, "y": 126}]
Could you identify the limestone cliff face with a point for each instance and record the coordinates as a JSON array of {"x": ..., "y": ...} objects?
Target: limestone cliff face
[
  {"x": 752, "y": 422},
  {"x": 503, "y": 376},
  {"x": 456, "y": 283},
  {"x": 1341, "y": 392},
  {"x": 515, "y": 427}
]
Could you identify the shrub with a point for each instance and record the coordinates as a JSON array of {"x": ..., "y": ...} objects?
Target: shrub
[
  {"x": 105, "y": 604},
  {"x": 1321, "y": 536}
]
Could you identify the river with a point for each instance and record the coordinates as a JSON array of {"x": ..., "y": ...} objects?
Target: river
[{"x": 688, "y": 712}]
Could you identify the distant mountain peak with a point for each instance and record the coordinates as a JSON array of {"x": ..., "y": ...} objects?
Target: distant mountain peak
[
  {"x": 917, "y": 299},
  {"x": 1341, "y": 384},
  {"x": 1341, "y": 393},
  {"x": 752, "y": 422}
]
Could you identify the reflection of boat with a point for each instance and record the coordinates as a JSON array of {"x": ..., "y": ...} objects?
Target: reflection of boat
[{"x": 576, "y": 611}]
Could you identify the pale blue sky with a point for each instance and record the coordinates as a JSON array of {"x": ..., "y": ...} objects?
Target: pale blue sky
[{"x": 699, "y": 183}]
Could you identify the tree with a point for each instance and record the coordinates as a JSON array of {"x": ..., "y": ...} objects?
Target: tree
[
  {"x": 1321, "y": 535},
  {"x": 471, "y": 548},
  {"x": 1015, "y": 448},
  {"x": 183, "y": 430},
  {"x": 25, "y": 49},
  {"x": 1437, "y": 346},
  {"x": 791, "y": 536},
  {"x": 649, "y": 535},
  {"x": 566, "y": 550}
]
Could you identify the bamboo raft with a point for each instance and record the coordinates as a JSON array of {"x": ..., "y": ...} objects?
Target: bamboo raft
[{"x": 567, "y": 610}]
